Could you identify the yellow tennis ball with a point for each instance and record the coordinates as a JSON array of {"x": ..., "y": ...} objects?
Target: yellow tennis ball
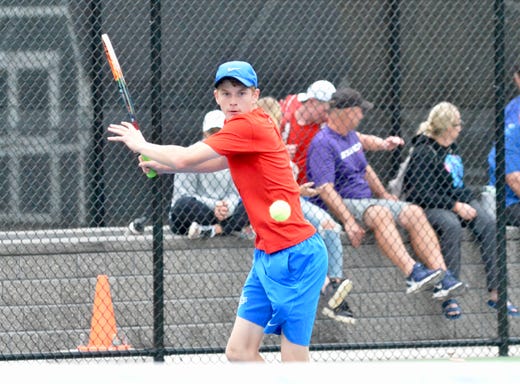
[{"x": 280, "y": 210}]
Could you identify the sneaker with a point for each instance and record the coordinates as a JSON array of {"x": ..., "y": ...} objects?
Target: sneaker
[
  {"x": 448, "y": 287},
  {"x": 197, "y": 231},
  {"x": 335, "y": 305},
  {"x": 422, "y": 278},
  {"x": 136, "y": 227},
  {"x": 342, "y": 313}
]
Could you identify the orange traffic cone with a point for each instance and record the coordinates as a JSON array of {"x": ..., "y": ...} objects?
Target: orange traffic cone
[{"x": 103, "y": 331}]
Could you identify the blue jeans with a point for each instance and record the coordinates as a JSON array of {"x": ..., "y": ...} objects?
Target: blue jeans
[
  {"x": 331, "y": 237},
  {"x": 448, "y": 226}
]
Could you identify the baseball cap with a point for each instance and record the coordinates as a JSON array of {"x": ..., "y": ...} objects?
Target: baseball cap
[
  {"x": 347, "y": 98},
  {"x": 321, "y": 90},
  {"x": 213, "y": 119},
  {"x": 239, "y": 70}
]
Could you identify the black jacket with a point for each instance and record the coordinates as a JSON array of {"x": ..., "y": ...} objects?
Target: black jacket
[{"x": 427, "y": 182}]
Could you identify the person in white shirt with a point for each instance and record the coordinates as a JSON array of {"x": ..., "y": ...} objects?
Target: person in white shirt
[{"x": 206, "y": 204}]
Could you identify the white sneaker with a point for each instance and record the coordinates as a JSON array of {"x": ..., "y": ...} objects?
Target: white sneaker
[
  {"x": 194, "y": 231},
  {"x": 197, "y": 231}
]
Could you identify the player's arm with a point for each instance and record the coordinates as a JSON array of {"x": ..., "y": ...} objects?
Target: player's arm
[
  {"x": 198, "y": 157},
  {"x": 212, "y": 165},
  {"x": 375, "y": 143}
]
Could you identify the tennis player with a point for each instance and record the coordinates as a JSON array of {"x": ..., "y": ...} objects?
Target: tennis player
[{"x": 281, "y": 293}]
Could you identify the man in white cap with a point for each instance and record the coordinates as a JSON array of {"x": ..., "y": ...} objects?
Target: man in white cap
[
  {"x": 303, "y": 116},
  {"x": 205, "y": 205}
]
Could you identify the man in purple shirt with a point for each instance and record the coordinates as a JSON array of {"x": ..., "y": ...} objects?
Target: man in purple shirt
[{"x": 353, "y": 193}]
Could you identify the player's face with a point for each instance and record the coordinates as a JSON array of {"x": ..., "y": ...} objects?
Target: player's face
[{"x": 235, "y": 99}]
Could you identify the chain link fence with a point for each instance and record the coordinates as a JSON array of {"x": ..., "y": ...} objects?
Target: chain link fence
[{"x": 76, "y": 281}]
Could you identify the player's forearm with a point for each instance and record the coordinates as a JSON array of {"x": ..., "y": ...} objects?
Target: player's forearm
[
  {"x": 172, "y": 156},
  {"x": 195, "y": 158}
]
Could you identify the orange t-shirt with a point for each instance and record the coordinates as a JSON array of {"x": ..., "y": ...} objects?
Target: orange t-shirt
[
  {"x": 301, "y": 135},
  {"x": 259, "y": 165}
]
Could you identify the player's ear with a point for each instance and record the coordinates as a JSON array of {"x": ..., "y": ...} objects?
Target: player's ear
[
  {"x": 215, "y": 94},
  {"x": 256, "y": 94}
]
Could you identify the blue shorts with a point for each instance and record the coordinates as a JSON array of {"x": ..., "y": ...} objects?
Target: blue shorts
[{"x": 282, "y": 290}]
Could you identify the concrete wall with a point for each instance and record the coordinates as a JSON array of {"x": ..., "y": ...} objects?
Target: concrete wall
[{"x": 47, "y": 284}]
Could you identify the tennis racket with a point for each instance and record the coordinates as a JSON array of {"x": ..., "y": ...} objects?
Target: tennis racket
[{"x": 123, "y": 88}]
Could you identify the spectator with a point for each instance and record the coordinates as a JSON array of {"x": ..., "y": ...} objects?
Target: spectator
[
  {"x": 353, "y": 193},
  {"x": 282, "y": 290},
  {"x": 336, "y": 287},
  {"x": 304, "y": 114},
  {"x": 206, "y": 204},
  {"x": 512, "y": 157},
  {"x": 434, "y": 180}
]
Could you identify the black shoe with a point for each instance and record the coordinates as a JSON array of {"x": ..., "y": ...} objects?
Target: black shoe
[
  {"x": 342, "y": 313},
  {"x": 335, "y": 305}
]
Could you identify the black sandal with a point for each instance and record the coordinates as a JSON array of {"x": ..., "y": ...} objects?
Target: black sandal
[{"x": 451, "y": 309}]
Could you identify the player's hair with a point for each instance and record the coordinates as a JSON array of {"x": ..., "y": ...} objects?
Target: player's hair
[
  {"x": 233, "y": 82},
  {"x": 441, "y": 117},
  {"x": 272, "y": 107}
]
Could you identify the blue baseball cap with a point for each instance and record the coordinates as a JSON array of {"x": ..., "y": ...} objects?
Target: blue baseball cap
[{"x": 239, "y": 70}]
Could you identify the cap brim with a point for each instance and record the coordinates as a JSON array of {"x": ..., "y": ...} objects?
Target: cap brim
[
  {"x": 245, "y": 83},
  {"x": 302, "y": 97}
]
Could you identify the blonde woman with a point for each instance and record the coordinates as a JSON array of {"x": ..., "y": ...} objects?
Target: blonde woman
[{"x": 434, "y": 180}]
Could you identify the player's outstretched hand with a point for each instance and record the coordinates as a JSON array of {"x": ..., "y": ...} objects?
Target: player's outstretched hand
[
  {"x": 147, "y": 165},
  {"x": 127, "y": 134}
]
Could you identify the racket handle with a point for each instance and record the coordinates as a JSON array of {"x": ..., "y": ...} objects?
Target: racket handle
[{"x": 151, "y": 173}]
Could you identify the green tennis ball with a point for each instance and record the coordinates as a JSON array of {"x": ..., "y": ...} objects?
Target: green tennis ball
[{"x": 280, "y": 210}]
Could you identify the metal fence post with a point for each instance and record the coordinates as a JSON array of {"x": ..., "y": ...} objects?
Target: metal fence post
[
  {"x": 96, "y": 161},
  {"x": 158, "y": 249},
  {"x": 499, "y": 46}
]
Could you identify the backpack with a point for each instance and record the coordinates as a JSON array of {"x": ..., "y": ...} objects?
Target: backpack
[{"x": 395, "y": 186}]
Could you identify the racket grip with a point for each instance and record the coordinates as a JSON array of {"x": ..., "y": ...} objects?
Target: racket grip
[{"x": 151, "y": 173}]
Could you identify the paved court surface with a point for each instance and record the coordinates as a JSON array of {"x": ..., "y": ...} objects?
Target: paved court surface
[{"x": 473, "y": 371}]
